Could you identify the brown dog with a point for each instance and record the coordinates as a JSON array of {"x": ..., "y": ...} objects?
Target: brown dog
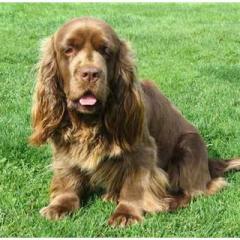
[{"x": 109, "y": 130}]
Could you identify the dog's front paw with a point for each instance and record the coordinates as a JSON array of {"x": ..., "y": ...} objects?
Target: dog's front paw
[
  {"x": 60, "y": 206},
  {"x": 124, "y": 216},
  {"x": 54, "y": 212}
]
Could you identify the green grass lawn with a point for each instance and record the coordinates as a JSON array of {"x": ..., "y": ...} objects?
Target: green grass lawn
[{"x": 192, "y": 51}]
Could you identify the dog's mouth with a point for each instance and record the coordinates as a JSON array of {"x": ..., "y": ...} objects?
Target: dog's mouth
[
  {"x": 88, "y": 99},
  {"x": 87, "y": 103}
]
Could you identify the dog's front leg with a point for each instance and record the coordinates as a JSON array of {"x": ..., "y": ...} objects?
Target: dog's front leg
[
  {"x": 129, "y": 209},
  {"x": 66, "y": 190},
  {"x": 144, "y": 186},
  {"x": 143, "y": 190}
]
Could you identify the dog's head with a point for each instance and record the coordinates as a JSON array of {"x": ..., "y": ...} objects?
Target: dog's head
[
  {"x": 87, "y": 70},
  {"x": 86, "y": 55}
]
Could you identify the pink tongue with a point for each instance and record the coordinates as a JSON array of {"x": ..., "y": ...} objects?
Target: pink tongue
[{"x": 88, "y": 100}]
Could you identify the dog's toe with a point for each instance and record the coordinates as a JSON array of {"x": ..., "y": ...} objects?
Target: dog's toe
[{"x": 53, "y": 212}]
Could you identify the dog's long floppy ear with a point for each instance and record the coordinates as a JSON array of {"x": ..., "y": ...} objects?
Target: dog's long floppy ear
[
  {"x": 49, "y": 106},
  {"x": 124, "y": 119}
]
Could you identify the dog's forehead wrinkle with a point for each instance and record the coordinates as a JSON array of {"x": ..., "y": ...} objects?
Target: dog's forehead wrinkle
[{"x": 82, "y": 30}]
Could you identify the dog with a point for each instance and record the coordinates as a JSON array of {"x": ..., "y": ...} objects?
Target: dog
[{"x": 109, "y": 130}]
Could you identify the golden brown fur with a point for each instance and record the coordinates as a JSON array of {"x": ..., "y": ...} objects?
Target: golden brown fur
[{"x": 109, "y": 130}]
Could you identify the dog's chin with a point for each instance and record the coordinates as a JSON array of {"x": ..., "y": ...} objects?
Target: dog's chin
[{"x": 90, "y": 110}]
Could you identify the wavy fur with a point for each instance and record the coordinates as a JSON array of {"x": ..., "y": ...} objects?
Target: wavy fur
[
  {"x": 49, "y": 106},
  {"x": 132, "y": 141}
]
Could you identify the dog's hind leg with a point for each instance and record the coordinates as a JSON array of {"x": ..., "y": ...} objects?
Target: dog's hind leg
[{"x": 188, "y": 171}]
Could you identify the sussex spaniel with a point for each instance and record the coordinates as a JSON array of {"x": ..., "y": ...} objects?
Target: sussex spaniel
[{"x": 109, "y": 130}]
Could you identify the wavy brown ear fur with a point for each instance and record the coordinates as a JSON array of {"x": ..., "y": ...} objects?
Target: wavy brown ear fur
[
  {"x": 124, "y": 120},
  {"x": 49, "y": 106}
]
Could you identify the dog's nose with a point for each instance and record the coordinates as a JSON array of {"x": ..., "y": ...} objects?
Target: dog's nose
[{"x": 91, "y": 74}]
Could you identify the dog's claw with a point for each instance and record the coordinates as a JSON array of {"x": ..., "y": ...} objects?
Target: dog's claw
[
  {"x": 123, "y": 220},
  {"x": 52, "y": 212}
]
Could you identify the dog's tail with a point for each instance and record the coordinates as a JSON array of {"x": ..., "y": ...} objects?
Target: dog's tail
[{"x": 217, "y": 168}]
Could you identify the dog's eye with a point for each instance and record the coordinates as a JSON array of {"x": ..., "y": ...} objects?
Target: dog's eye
[
  {"x": 69, "y": 51},
  {"x": 106, "y": 51}
]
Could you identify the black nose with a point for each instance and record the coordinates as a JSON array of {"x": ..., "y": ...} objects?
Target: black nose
[{"x": 91, "y": 74}]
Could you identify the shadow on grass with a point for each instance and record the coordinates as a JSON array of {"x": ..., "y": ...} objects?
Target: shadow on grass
[
  {"x": 222, "y": 73},
  {"x": 214, "y": 154},
  {"x": 90, "y": 197}
]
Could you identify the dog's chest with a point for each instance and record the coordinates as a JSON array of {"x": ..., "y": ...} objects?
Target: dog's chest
[{"x": 86, "y": 153}]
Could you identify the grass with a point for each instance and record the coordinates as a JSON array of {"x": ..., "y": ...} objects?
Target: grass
[{"x": 190, "y": 50}]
